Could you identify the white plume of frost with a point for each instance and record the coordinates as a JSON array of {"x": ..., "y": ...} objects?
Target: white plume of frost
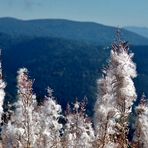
[
  {"x": 2, "y": 87},
  {"x": 115, "y": 98},
  {"x": 141, "y": 133},
  {"x": 124, "y": 71},
  {"x": 105, "y": 110}
]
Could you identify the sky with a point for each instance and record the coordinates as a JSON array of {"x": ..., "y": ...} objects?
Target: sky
[{"x": 109, "y": 12}]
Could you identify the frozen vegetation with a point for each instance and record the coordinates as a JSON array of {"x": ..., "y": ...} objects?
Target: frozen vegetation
[{"x": 29, "y": 124}]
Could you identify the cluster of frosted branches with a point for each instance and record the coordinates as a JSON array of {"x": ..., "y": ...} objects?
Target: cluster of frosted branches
[
  {"x": 48, "y": 129},
  {"x": 32, "y": 125},
  {"x": 78, "y": 129}
]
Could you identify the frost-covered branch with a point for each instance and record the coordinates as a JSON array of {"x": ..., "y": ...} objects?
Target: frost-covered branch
[
  {"x": 78, "y": 131},
  {"x": 48, "y": 128},
  {"x": 20, "y": 129},
  {"x": 2, "y": 87},
  {"x": 140, "y": 139}
]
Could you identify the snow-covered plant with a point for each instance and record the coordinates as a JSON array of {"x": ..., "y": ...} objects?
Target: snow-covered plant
[
  {"x": 104, "y": 111},
  {"x": 2, "y": 87},
  {"x": 124, "y": 90},
  {"x": 78, "y": 131},
  {"x": 20, "y": 129},
  {"x": 32, "y": 125},
  {"x": 116, "y": 96},
  {"x": 140, "y": 139},
  {"x": 48, "y": 127},
  {"x": 124, "y": 71}
]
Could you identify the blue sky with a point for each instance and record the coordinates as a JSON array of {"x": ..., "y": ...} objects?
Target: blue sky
[{"x": 110, "y": 12}]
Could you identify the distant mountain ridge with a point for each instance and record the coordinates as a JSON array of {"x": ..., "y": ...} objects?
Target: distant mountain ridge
[
  {"x": 143, "y": 31},
  {"x": 73, "y": 30}
]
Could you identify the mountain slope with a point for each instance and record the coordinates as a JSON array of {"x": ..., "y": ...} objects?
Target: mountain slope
[
  {"x": 70, "y": 68},
  {"x": 73, "y": 30},
  {"x": 143, "y": 31}
]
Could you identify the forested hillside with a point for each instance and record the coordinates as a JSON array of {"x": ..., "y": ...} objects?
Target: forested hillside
[{"x": 68, "y": 66}]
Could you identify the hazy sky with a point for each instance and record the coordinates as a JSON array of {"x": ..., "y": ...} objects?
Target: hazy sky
[{"x": 109, "y": 12}]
